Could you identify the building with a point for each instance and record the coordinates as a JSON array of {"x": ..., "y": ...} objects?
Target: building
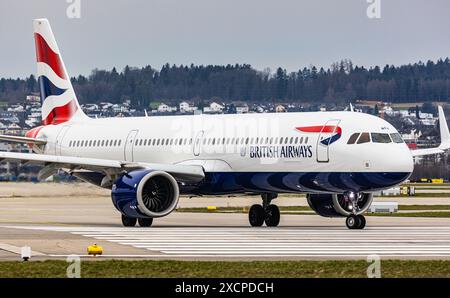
[
  {"x": 187, "y": 107},
  {"x": 214, "y": 108},
  {"x": 163, "y": 108}
]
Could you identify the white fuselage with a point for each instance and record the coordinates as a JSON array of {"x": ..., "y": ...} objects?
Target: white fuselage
[{"x": 237, "y": 143}]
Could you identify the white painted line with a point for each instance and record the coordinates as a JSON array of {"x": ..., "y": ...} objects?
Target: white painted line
[{"x": 18, "y": 250}]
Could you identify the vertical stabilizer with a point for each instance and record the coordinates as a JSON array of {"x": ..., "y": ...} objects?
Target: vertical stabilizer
[{"x": 59, "y": 102}]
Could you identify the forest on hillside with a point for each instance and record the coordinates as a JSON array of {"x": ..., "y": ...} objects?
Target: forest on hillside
[{"x": 341, "y": 82}]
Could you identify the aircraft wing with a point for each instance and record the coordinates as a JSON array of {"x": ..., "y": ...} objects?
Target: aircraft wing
[
  {"x": 18, "y": 139},
  {"x": 445, "y": 138},
  {"x": 51, "y": 163}
]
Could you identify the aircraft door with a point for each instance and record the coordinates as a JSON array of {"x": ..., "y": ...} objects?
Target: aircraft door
[
  {"x": 197, "y": 145},
  {"x": 325, "y": 139},
  {"x": 129, "y": 145},
  {"x": 60, "y": 139}
]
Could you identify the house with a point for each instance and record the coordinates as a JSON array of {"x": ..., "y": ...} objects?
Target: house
[
  {"x": 241, "y": 108},
  {"x": 186, "y": 107},
  {"x": 163, "y": 108},
  {"x": 280, "y": 109},
  {"x": 214, "y": 107}
]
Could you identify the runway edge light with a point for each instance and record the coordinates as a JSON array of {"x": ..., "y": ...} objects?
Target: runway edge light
[{"x": 25, "y": 253}]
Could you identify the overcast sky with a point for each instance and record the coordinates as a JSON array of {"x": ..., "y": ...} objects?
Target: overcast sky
[{"x": 264, "y": 33}]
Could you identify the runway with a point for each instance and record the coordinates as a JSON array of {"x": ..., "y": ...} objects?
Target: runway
[
  {"x": 55, "y": 227},
  {"x": 262, "y": 243}
]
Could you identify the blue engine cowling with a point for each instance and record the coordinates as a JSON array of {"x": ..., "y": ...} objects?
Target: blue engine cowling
[{"x": 145, "y": 193}]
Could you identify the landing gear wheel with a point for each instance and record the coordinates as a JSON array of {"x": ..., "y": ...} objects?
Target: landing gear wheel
[
  {"x": 362, "y": 221},
  {"x": 256, "y": 215},
  {"x": 145, "y": 222},
  {"x": 352, "y": 222},
  {"x": 272, "y": 216},
  {"x": 128, "y": 221}
]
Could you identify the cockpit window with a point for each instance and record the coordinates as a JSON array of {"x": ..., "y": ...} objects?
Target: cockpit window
[
  {"x": 353, "y": 138},
  {"x": 364, "y": 138},
  {"x": 397, "y": 138},
  {"x": 380, "y": 137}
]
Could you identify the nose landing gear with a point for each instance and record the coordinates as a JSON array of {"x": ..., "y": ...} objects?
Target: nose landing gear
[
  {"x": 265, "y": 213},
  {"x": 355, "y": 220}
]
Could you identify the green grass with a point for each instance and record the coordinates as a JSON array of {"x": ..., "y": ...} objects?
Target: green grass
[
  {"x": 423, "y": 195},
  {"x": 414, "y": 214},
  {"x": 424, "y": 207},
  {"x": 225, "y": 269}
]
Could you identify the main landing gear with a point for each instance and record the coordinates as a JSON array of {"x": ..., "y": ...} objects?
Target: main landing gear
[
  {"x": 131, "y": 221},
  {"x": 265, "y": 213}
]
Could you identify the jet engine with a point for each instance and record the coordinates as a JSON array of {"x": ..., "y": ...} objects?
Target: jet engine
[
  {"x": 145, "y": 193},
  {"x": 340, "y": 205}
]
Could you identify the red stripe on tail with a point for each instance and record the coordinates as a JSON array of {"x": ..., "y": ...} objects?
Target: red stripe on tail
[
  {"x": 61, "y": 114},
  {"x": 46, "y": 55}
]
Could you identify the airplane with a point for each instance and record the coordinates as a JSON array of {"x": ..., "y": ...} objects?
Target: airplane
[{"x": 338, "y": 159}]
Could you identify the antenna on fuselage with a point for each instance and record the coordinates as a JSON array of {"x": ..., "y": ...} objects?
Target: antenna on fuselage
[{"x": 145, "y": 111}]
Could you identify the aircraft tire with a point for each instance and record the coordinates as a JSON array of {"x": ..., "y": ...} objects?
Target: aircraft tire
[
  {"x": 272, "y": 216},
  {"x": 352, "y": 222},
  {"x": 145, "y": 222},
  {"x": 128, "y": 221},
  {"x": 256, "y": 215}
]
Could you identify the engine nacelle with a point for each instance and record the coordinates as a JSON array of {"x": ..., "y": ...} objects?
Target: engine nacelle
[
  {"x": 145, "y": 193},
  {"x": 336, "y": 205}
]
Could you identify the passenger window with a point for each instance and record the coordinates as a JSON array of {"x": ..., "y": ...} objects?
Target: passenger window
[
  {"x": 353, "y": 138},
  {"x": 380, "y": 138},
  {"x": 364, "y": 138},
  {"x": 397, "y": 138}
]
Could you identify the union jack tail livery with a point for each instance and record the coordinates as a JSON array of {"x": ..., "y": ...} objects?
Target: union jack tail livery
[{"x": 59, "y": 102}]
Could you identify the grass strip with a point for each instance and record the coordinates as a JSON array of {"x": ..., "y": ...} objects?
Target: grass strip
[{"x": 226, "y": 269}]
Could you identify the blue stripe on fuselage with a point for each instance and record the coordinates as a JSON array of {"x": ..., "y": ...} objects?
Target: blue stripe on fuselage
[{"x": 295, "y": 182}]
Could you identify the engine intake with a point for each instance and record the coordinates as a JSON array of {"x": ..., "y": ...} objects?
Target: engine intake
[
  {"x": 145, "y": 193},
  {"x": 336, "y": 205}
]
